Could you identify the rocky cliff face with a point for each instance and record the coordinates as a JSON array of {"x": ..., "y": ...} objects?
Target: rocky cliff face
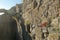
[
  {"x": 8, "y": 28},
  {"x": 40, "y": 11},
  {"x": 36, "y": 12}
]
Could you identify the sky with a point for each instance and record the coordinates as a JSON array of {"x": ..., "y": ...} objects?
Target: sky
[{"x": 7, "y": 4}]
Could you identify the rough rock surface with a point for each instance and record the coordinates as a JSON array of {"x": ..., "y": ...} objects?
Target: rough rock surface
[{"x": 38, "y": 11}]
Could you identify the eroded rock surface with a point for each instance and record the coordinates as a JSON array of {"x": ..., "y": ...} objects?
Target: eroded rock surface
[{"x": 38, "y": 11}]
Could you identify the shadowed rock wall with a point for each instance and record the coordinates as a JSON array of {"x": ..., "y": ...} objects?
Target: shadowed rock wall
[{"x": 8, "y": 28}]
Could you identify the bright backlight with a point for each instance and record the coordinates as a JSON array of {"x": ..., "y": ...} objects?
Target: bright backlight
[{"x": 1, "y": 13}]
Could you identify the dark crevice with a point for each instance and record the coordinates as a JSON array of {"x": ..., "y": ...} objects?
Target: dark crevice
[
  {"x": 35, "y": 4},
  {"x": 40, "y": 3},
  {"x": 25, "y": 34}
]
